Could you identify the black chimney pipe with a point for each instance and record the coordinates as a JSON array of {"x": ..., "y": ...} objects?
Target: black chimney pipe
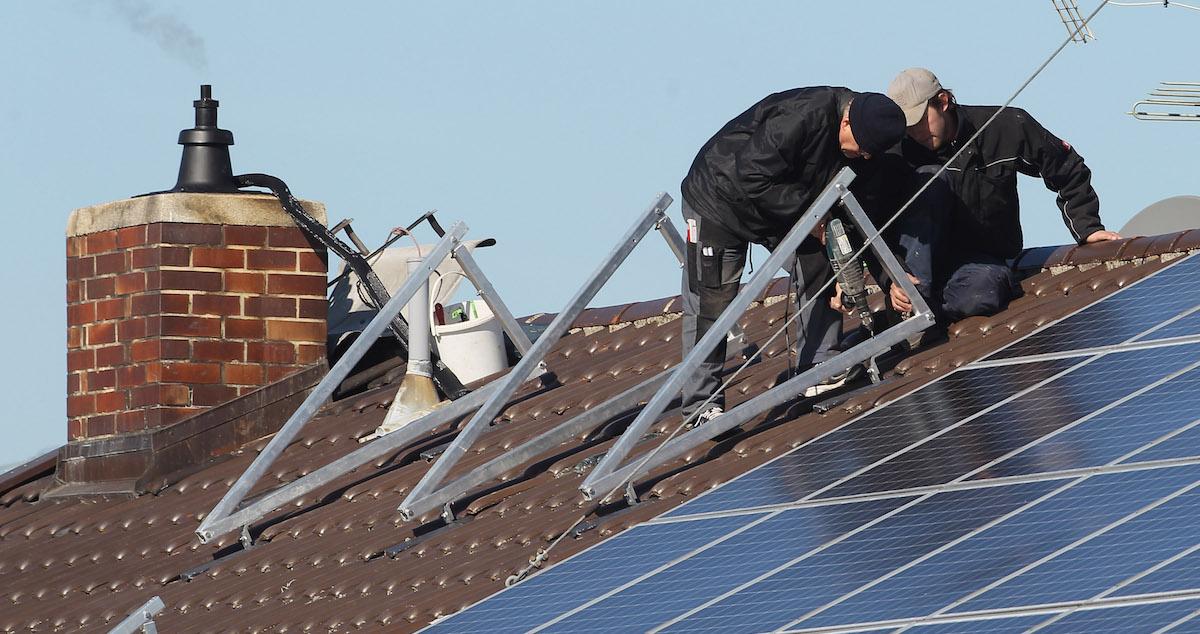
[{"x": 205, "y": 166}]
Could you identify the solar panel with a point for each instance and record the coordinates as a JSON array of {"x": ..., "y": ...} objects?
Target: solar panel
[
  {"x": 1053, "y": 495},
  {"x": 874, "y": 436},
  {"x": 1121, "y": 316}
]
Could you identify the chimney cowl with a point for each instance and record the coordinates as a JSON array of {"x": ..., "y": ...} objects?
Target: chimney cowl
[{"x": 205, "y": 166}]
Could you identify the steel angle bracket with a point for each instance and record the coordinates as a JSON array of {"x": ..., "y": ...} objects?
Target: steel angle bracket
[
  {"x": 611, "y": 475},
  {"x": 226, "y": 516},
  {"x": 141, "y": 619},
  {"x": 428, "y": 494}
]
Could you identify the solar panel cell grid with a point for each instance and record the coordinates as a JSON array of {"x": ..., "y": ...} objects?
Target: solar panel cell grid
[
  {"x": 815, "y": 581},
  {"x": 874, "y": 437},
  {"x": 1148, "y": 618},
  {"x": 974, "y": 443},
  {"x": 1133, "y": 424},
  {"x": 1119, "y": 317},
  {"x": 722, "y": 567},
  {"x": 1073, "y": 510},
  {"x": 595, "y": 571}
]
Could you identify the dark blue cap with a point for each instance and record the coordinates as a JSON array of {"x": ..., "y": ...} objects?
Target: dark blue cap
[{"x": 876, "y": 121}]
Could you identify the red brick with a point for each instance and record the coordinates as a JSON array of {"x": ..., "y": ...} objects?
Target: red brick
[
  {"x": 225, "y": 305},
  {"x": 146, "y": 304},
  {"x": 102, "y": 242},
  {"x": 77, "y": 245},
  {"x": 277, "y": 372},
  {"x": 173, "y": 394},
  {"x": 154, "y": 280},
  {"x": 154, "y": 233},
  {"x": 242, "y": 374},
  {"x": 184, "y": 372},
  {"x": 74, "y": 336},
  {"x": 270, "y": 307},
  {"x": 81, "y": 405},
  {"x": 79, "y": 314},
  {"x": 282, "y": 330},
  {"x": 245, "y": 282},
  {"x": 218, "y": 350},
  {"x": 309, "y": 354},
  {"x": 219, "y": 258},
  {"x": 173, "y": 303},
  {"x": 104, "y": 425},
  {"x": 270, "y": 352},
  {"x": 144, "y": 350},
  {"x": 114, "y": 401},
  {"x": 188, "y": 233},
  {"x": 110, "y": 263},
  {"x": 288, "y": 237},
  {"x": 245, "y": 329},
  {"x": 313, "y": 308},
  {"x": 153, "y": 371},
  {"x": 144, "y": 396},
  {"x": 130, "y": 329},
  {"x": 152, "y": 257},
  {"x": 97, "y": 334},
  {"x": 283, "y": 284},
  {"x": 101, "y": 380},
  {"x": 311, "y": 262},
  {"x": 100, "y": 287},
  {"x": 73, "y": 382},
  {"x": 253, "y": 236},
  {"x": 131, "y": 376},
  {"x": 266, "y": 260},
  {"x": 111, "y": 356},
  {"x": 74, "y": 292},
  {"x": 80, "y": 360},
  {"x": 191, "y": 280},
  {"x": 80, "y": 268},
  {"x": 76, "y": 429},
  {"x": 175, "y": 325},
  {"x": 131, "y": 236},
  {"x": 176, "y": 349},
  {"x": 209, "y": 395},
  {"x": 131, "y": 421},
  {"x": 131, "y": 283},
  {"x": 115, "y": 308}
]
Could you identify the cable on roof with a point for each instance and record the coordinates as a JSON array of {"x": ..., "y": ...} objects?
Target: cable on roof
[{"x": 542, "y": 554}]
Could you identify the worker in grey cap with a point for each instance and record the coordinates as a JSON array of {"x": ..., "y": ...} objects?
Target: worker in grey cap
[
  {"x": 751, "y": 182},
  {"x": 956, "y": 245}
]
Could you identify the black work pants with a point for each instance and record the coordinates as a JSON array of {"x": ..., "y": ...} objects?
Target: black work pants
[{"x": 711, "y": 280}]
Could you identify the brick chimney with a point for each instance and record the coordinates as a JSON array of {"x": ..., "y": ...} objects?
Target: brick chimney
[{"x": 179, "y": 302}]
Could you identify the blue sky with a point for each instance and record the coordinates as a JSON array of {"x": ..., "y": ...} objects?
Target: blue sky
[{"x": 547, "y": 125}]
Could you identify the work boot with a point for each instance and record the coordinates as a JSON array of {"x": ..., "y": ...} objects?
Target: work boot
[
  {"x": 852, "y": 375},
  {"x": 705, "y": 416}
]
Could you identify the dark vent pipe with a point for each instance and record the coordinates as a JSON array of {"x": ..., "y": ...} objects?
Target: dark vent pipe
[{"x": 205, "y": 166}]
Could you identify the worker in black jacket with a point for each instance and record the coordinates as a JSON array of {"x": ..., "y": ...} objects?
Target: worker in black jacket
[
  {"x": 751, "y": 182},
  {"x": 956, "y": 246}
]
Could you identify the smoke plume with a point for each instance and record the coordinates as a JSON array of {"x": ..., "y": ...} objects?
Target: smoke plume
[{"x": 175, "y": 38}]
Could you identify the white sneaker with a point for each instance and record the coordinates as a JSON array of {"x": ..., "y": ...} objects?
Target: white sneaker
[
  {"x": 828, "y": 385},
  {"x": 706, "y": 416}
]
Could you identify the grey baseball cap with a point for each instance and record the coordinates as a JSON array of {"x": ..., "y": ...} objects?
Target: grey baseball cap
[{"x": 911, "y": 90}]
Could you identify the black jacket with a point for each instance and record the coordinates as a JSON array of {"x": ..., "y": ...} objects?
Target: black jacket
[
  {"x": 759, "y": 173},
  {"x": 984, "y": 178}
]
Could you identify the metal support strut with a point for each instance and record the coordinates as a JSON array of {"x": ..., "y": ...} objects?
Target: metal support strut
[{"x": 611, "y": 475}]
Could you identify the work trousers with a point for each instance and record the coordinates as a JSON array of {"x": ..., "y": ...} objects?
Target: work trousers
[
  {"x": 711, "y": 279},
  {"x": 956, "y": 282}
]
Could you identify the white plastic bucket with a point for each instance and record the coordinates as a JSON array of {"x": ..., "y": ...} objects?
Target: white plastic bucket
[{"x": 474, "y": 348}]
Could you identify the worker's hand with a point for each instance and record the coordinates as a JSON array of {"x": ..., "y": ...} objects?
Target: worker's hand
[
  {"x": 818, "y": 231},
  {"x": 835, "y": 302},
  {"x": 1101, "y": 236},
  {"x": 900, "y": 300}
]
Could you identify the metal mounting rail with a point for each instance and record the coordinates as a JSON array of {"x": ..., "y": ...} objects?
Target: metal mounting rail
[
  {"x": 610, "y": 473},
  {"x": 428, "y": 485},
  {"x": 141, "y": 619},
  {"x": 216, "y": 522},
  {"x": 1173, "y": 96}
]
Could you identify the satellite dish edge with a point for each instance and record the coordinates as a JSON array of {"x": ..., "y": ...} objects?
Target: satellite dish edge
[{"x": 1169, "y": 215}]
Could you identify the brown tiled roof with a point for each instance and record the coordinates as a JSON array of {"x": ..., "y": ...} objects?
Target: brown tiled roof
[{"x": 319, "y": 564}]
